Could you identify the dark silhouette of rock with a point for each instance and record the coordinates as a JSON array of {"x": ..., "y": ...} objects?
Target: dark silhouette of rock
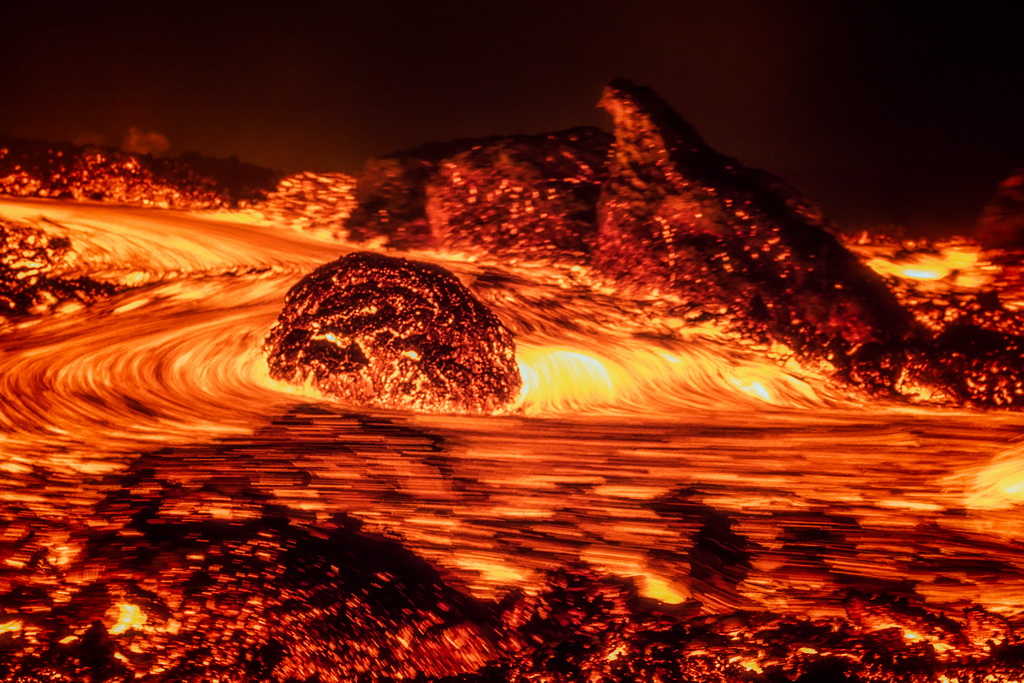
[
  {"x": 677, "y": 216},
  {"x": 532, "y": 196},
  {"x": 718, "y": 558},
  {"x": 1001, "y": 224},
  {"x": 394, "y": 333},
  {"x": 390, "y": 199},
  {"x": 981, "y": 366},
  {"x": 521, "y": 194},
  {"x": 659, "y": 211}
]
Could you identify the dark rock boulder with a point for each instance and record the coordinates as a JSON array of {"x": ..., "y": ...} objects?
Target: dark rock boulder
[
  {"x": 532, "y": 196},
  {"x": 521, "y": 194},
  {"x": 1001, "y": 225},
  {"x": 394, "y": 333},
  {"x": 677, "y": 216},
  {"x": 657, "y": 210}
]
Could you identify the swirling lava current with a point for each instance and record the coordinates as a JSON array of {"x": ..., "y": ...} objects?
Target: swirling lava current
[{"x": 142, "y": 437}]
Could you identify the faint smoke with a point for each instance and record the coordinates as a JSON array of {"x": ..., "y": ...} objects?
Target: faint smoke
[{"x": 145, "y": 143}]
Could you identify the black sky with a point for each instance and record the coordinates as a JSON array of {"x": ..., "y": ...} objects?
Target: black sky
[{"x": 898, "y": 113}]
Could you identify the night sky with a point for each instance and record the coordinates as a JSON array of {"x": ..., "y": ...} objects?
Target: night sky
[{"x": 883, "y": 113}]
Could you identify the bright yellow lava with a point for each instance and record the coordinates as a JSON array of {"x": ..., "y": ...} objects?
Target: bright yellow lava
[
  {"x": 10, "y": 626},
  {"x": 129, "y": 617}
]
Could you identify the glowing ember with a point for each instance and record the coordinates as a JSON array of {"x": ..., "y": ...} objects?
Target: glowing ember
[{"x": 390, "y": 332}]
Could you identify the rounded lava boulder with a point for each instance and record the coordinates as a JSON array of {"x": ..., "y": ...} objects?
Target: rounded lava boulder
[{"x": 394, "y": 333}]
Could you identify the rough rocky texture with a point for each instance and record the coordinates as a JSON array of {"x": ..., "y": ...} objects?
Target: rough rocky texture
[
  {"x": 677, "y": 216},
  {"x": 30, "y": 168},
  {"x": 394, "y": 333},
  {"x": 391, "y": 195},
  {"x": 661, "y": 212},
  {"x": 390, "y": 199},
  {"x": 589, "y": 627},
  {"x": 968, "y": 363},
  {"x": 532, "y": 196},
  {"x": 35, "y": 273},
  {"x": 520, "y": 195}
]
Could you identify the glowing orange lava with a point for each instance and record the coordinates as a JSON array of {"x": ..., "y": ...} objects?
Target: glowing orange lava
[{"x": 713, "y": 499}]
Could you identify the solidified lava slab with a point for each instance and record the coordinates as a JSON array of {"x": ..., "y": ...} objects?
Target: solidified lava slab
[
  {"x": 678, "y": 216},
  {"x": 395, "y": 333}
]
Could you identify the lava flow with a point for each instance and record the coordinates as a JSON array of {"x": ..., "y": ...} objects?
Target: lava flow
[{"x": 670, "y": 496}]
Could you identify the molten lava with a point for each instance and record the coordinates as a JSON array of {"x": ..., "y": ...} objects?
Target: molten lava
[{"x": 664, "y": 479}]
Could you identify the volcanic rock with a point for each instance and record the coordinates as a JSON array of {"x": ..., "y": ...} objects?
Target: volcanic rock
[
  {"x": 980, "y": 366},
  {"x": 394, "y": 333},
  {"x": 677, "y": 216},
  {"x": 191, "y": 181},
  {"x": 36, "y": 273},
  {"x": 1001, "y": 225},
  {"x": 519, "y": 195},
  {"x": 529, "y": 196},
  {"x": 390, "y": 199}
]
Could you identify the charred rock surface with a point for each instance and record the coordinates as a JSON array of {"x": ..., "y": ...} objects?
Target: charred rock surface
[
  {"x": 660, "y": 211},
  {"x": 391, "y": 193},
  {"x": 394, "y": 333},
  {"x": 522, "y": 194},
  {"x": 35, "y": 273},
  {"x": 531, "y": 196},
  {"x": 678, "y": 216},
  {"x": 978, "y": 366},
  {"x": 191, "y": 181}
]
